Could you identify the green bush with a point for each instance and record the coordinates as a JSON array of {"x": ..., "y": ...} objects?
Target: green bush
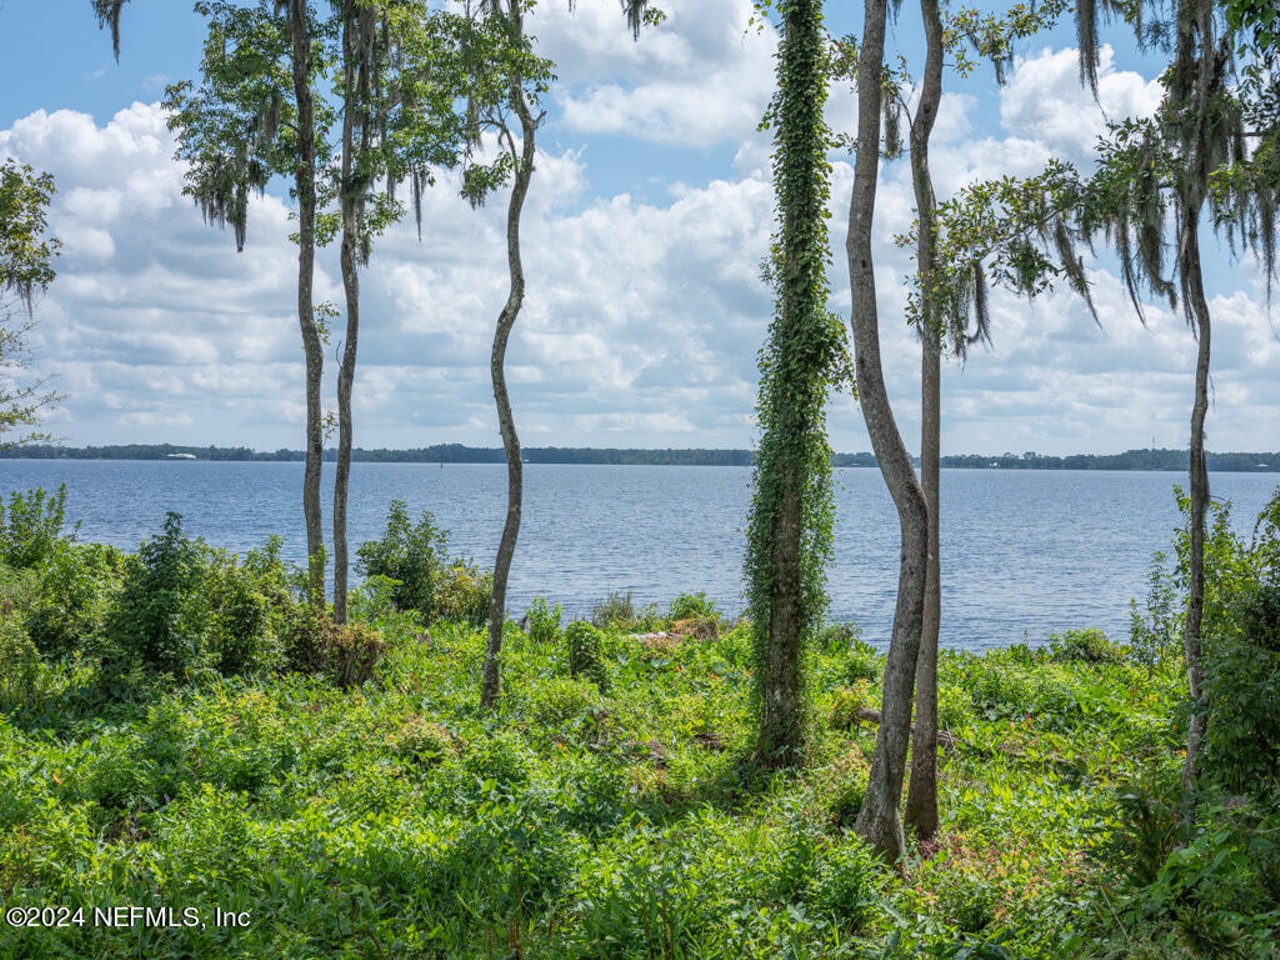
[
  {"x": 157, "y": 620},
  {"x": 615, "y": 610},
  {"x": 345, "y": 653},
  {"x": 463, "y": 593},
  {"x": 414, "y": 555},
  {"x": 843, "y": 886},
  {"x": 687, "y": 606},
  {"x": 1085, "y": 646},
  {"x": 79, "y": 583},
  {"x": 1242, "y": 689},
  {"x": 185, "y": 606},
  {"x": 544, "y": 620},
  {"x": 31, "y": 527},
  {"x": 23, "y": 674},
  {"x": 585, "y": 658}
]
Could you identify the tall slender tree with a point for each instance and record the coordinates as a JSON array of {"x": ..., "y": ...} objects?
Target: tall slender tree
[
  {"x": 252, "y": 116},
  {"x": 1192, "y": 154},
  {"x": 507, "y": 77},
  {"x": 789, "y": 532},
  {"x": 513, "y": 98},
  {"x": 878, "y": 821}
]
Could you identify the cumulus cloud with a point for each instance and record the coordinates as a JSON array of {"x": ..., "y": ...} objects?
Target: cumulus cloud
[{"x": 643, "y": 316}]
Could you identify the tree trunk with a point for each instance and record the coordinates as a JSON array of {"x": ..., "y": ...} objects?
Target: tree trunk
[
  {"x": 787, "y": 538},
  {"x": 878, "y": 821},
  {"x": 355, "y": 124},
  {"x": 1193, "y": 289},
  {"x": 305, "y": 183},
  {"x": 491, "y": 683},
  {"x": 922, "y": 792}
]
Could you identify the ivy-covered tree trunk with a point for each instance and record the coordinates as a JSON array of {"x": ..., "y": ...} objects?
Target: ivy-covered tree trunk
[
  {"x": 491, "y": 683},
  {"x": 789, "y": 534},
  {"x": 305, "y": 184},
  {"x": 922, "y": 791},
  {"x": 878, "y": 821}
]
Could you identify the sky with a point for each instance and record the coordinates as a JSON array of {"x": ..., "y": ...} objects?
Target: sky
[{"x": 650, "y": 210}]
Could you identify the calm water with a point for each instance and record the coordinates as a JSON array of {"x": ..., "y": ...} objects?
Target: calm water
[{"x": 1025, "y": 553}]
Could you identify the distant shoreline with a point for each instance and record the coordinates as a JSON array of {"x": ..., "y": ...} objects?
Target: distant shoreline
[{"x": 1140, "y": 460}]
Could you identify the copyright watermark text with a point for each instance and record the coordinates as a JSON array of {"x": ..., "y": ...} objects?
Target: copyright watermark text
[{"x": 125, "y": 916}]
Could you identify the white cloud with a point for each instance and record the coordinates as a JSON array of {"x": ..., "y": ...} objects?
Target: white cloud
[
  {"x": 701, "y": 78},
  {"x": 642, "y": 317}
]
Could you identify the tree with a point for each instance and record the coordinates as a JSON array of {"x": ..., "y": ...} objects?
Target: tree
[
  {"x": 254, "y": 116},
  {"x": 789, "y": 532},
  {"x": 26, "y": 269},
  {"x": 946, "y": 315},
  {"x": 878, "y": 821},
  {"x": 1191, "y": 153},
  {"x": 397, "y": 83},
  {"x": 507, "y": 78}
]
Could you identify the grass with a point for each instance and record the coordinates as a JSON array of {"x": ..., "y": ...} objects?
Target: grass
[{"x": 397, "y": 820}]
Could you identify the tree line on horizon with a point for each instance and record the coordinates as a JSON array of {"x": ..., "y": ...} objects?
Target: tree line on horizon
[{"x": 1161, "y": 459}]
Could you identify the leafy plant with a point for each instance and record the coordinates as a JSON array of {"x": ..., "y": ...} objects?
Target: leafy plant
[
  {"x": 585, "y": 658},
  {"x": 413, "y": 554},
  {"x": 544, "y": 620},
  {"x": 1084, "y": 646},
  {"x": 462, "y": 594},
  {"x": 615, "y": 610},
  {"x": 31, "y": 526}
]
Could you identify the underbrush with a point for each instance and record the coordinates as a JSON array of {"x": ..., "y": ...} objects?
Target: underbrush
[
  {"x": 606, "y": 814},
  {"x": 340, "y": 792}
]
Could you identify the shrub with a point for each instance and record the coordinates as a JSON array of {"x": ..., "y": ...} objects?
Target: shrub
[
  {"x": 615, "y": 610},
  {"x": 463, "y": 593},
  {"x": 31, "y": 527},
  {"x": 585, "y": 659},
  {"x": 346, "y": 653},
  {"x": 374, "y": 599},
  {"x": 1242, "y": 689},
  {"x": 23, "y": 674},
  {"x": 846, "y": 702},
  {"x": 412, "y": 554},
  {"x": 688, "y": 606},
  {"x": 544, "y": 620},
  {"x": 1084, "y": 646},
  {"x": 843, "y": 886},
  {"x": 78, "y": 585},
  {"x": 844, "y": 787},
  {"x": 154, "y": 625}
]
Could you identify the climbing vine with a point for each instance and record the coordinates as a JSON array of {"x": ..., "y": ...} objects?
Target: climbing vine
[{"x": 789, "y": 534}]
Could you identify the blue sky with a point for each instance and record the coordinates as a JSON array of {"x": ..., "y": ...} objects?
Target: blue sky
[{"x": 649, "y": 213}]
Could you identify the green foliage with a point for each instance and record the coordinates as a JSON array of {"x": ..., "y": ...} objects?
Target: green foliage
[
  {"x": 26, "y": 269},
  {"x": 184, "y": 607},
  {"x": 1241, "y": 638},
  {"x": 414, "y": 555},
  {"x": 79, "y": 583},
  {"x": 615, "y": 610},
  {"x": 32, "y": 525},
  {"x": 345, "y": 653},
  {"x": 583, "y": 642},
  {"x": 1085, "y": 646},
  {"x": 157, "y": 621},
  {"x": 789, "y": 531},
  {"x": 544, "y": 620},
  {"x": 1157, "y": 637},
  {"x": 687, "y": 606},
  {"x": 463, "y": 594}
]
